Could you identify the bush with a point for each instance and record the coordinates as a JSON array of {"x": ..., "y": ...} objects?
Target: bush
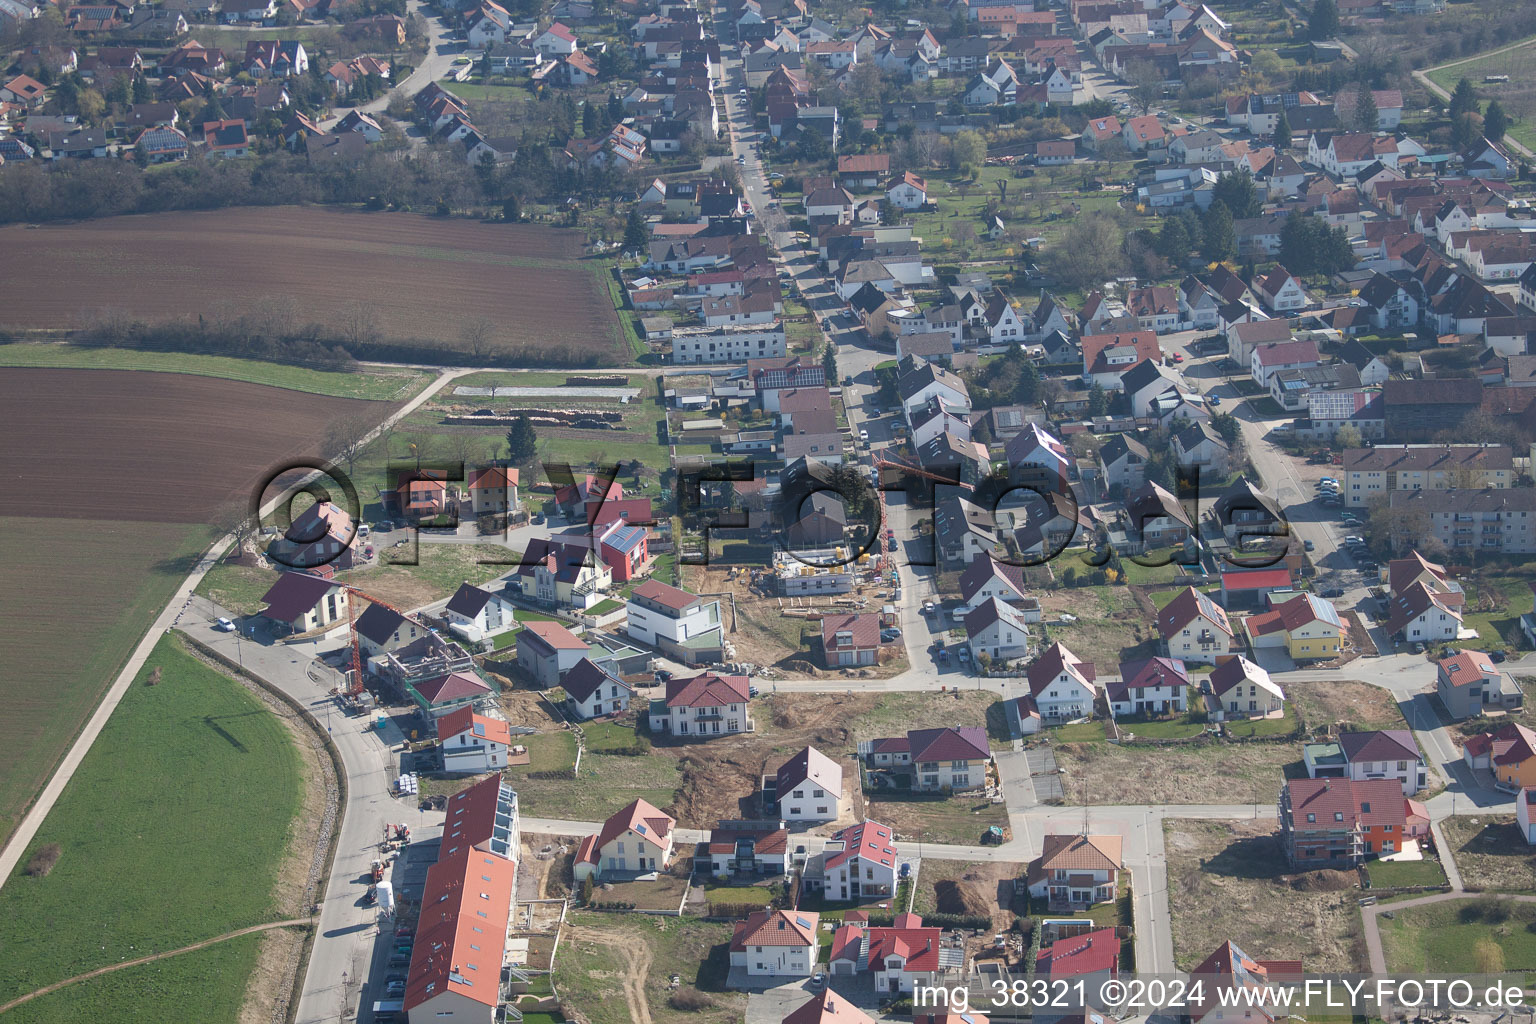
[
  {"x": 689, "y": 1000},
  {"x": 42, "y": 861}
]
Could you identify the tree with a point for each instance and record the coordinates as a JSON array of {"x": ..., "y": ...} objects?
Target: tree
[
  {"x": 1366, "y": 116},
  {"x": 344, "y": 439},
  {"x": 637, "y": 233},
  {"x": 829, "y": 364},
  {"x": 511, "y": 209},
  {"x": 1098, "y": 400},
  {"x": 1282, "y": 136},
  {"x": 91, "y": 105},
  {"x": 968, "y": 153},
  {"x": 1495, "y": 122},
  {"x": 1323, "y": 23},
  {"x": 1089, "y": 251},
  {"x": 1463, "y": 100},
  {"x": 476, "y": 336},
  {"x": 591, "y": 121},
  {"x": 1235, "y": 189},
  {"x": 1309, "y": 246},
  {"x": 522, "y": 441},
  {"x": 1347, "y": 436},
  {"x": 1174, "y": 241},
  {"x": 1146, "y": 83},
  {"x": 1466, "y": 130},
  {"x": 1218, "y": 237}
]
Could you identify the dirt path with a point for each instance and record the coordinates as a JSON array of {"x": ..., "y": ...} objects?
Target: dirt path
[
  {"x": 295, "y": 923},
  {"x": 637, "y": 967}
]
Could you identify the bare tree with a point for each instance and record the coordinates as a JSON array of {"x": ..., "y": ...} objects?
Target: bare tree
[
  {"x": 476, "y": 336},
  {"x": 464, "y": 446},
  {"x": 359, "y": 324},
  {"x": 344, "y": 438}
]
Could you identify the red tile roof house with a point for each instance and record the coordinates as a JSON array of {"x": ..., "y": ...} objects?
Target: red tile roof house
[
  {"x": 951, "y": 758},
  {"x": 573, "y": 496},
  {"x": 904, "y": 956},
  {"x": 703, "y": 706},
  {"x": 775, "y": 944},
  {"x": 831, "y": 1008},
  {"x": 855, "y": 863},
  {"x": 493, "y": 490},
  {"x": 1341, "y": 823},
  {"x": 1077, "y": 871},
  {"x": 473, "y": 743},
  {"x": 322, "y": 534},
  {"x": 421, "y": 494},
  {"x": 746, "y": 847},
  {"x": 547, "y": 650},
  {"x": 1469, "y": 683},
  {"x": 849, "y": 640},
  {"x": 300, "y": 602},
  {"x": 1157, "y": 686},
  {"x": 1229, "y": 970},
  {"x": 636, "y": 840},
  {"x": 1093, "y": 958},
  {"x": 809, "y": 787},
  {"x": 1195, "y": 628},
  {"x": 468, "y": 898},
  {"x": 226, "y": 139}
]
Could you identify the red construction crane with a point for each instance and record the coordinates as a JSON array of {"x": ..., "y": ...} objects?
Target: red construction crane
[
  {"x": 882, "y": 462},
  {"x": 355, "y": 686}
]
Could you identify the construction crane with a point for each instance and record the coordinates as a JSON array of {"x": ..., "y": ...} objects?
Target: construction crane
[
  {"x": 882, "y": 462},
  {"x": 355, "y": 687}
]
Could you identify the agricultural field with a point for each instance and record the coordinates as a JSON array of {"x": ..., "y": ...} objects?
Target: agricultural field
[
  {"x": 101, "y": 522},
  {"x": 1229, "y": 880},
  {"x": 154, "y": 853},
  {"x": 540, "y": 300},
  {"x": 1517, "y": 96},
  {"x": 373, "y": 383}
]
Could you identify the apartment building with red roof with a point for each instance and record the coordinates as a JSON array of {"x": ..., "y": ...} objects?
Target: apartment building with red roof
[
  {"x": 855, "y": 863},
  {"x": 1342, "y": 822},
  {"x": 461, "y": 935}
]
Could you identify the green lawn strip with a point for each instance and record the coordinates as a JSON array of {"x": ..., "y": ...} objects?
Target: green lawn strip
[
  {"x": 757, "y": 895},
  {"x": 118, "y": 576},
  {"x": 1392, "y": 874},
  {"x": 237, "y": 588},
  {"x": 1078, "y": 732},
  {"x": 213, "y": 979},
  {"x": 501, "y": 641},
  {"x": 547, "y": 752},
  {"x": 1243, "y": 728},
  {"x": 1179, "y": 727},
  {"x": 606, "y": 736},
  {"x": 1444, "y": 937},
  {"x": 608, "y": 782},
  {"x": 170, "y": 831},
  {"x": 378, "y": 385},
  {"x": 605, "y": 606}
]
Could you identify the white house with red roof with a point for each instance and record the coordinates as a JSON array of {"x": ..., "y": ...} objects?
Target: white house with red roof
[
  {"x": 493, "y": 490},
  {"x": 1469, "y": 683},
  {"x": 908, "y": 192},
  {"x": 1270, "y": 358},
  {"x": 1075, "y": 872},
  {"x": 1241, "y": 689},
  {"x": 1281, "y": 290},
  {"x": 555, "y": 41},
  {"x": 473, "y": 743},
  {"x": 475, "y": 614},
  {"x": 1091, "y": 958},
  {"x": 322, "y": 534},
  {"x": 747, "y": 847},
  {"x": 1062, "y": 684},
  {"x": 1195, "y": 628},
  {"x": 905, "y": 956},
  {"x": 1156, "y": 686},
  {"x": 1106, "y": 357},
  {"x": 461, "y": 936},
  {"x": 776, "y": 944},
  {"x": 949, "y": 758},
  {"x": 831, "y": 1008},
  {"x": 683, "y": 625},
  {"x": 703, "y": 706},
  {"x": 1525, "y": 814},
  {"x": 855, "y": 863},
  {"x": 637, "y": 839}
]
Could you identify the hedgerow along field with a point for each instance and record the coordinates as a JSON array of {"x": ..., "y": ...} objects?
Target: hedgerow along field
[
  {"x": 418, "y": 280},
  {"x": 171, "y": 832},
  {"x": 108, "y": 504}
]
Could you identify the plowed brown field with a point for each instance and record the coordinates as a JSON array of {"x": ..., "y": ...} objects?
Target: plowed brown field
[
  {"x": 157, "y": 447},
  {"x": 110, "y": 480},
  {"x": 422, "y": 278}
]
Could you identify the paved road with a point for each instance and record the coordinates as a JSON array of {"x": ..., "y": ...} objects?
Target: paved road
[{"x": 434, "y": 66}]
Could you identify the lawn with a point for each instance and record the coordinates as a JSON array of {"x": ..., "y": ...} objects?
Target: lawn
[
  {"x": 1248, "y": 728},
  {"x": 1392, "y": 874},
  {"x": 1225, "y": 882},
  {"x": 116, "y": 576},
  {"x": 1109, "y": 627},
  {"x": 547, "y": 752},
  {"x": 1344, "y": 704},
  {"x": 601, "y": 951},
  {"x": 936, "y": 818},
  {"x": 382, "y": 385},
  {"x": 170, "y": 832},
  {"x": 1188, "y": 773},
  {"x": 1457, "y": 937},
  {"x": 605, "y": 736},
  {"x": 212, "y": 979},
  {"x": 1119, "y": 913},
  {"x": 1178, "y": 727},
  {"x": 607, "y": 782},
  {"x": 1494, "y": 606},
  {"x": 665, "y": 892},
  {"x": 1489, "y": 853}
]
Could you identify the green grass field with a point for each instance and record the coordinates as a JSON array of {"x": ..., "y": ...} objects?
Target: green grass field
[
  {"x": 211, "y": 979},
  {"x": 1445, "y": 937},
  {"x": 1517, "y": 96},
  {"x": 170, "y": 832},
  {"x": 380, "y": 385},
  {"x": 116, "y": 577}
]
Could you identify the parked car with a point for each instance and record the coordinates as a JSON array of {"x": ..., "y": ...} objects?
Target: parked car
[
  {"x": 1214, "y": 399},
  {"x": 1331, "y": 592},
  {"x": 752, "y": 691},
  {"x": 663, "y": 676},
  {"x": 385, "y": 526},
  {"x": 890, "y": 635},
  {"x": 1329, "y": 480},
  {"x": 224, "y": 625},
  {"x": 1496, "y": 656},
  {"x": 864, "y": 436},
  {"x": 1307, "y": 545},
  {"x": 1352, "y": 540}
]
